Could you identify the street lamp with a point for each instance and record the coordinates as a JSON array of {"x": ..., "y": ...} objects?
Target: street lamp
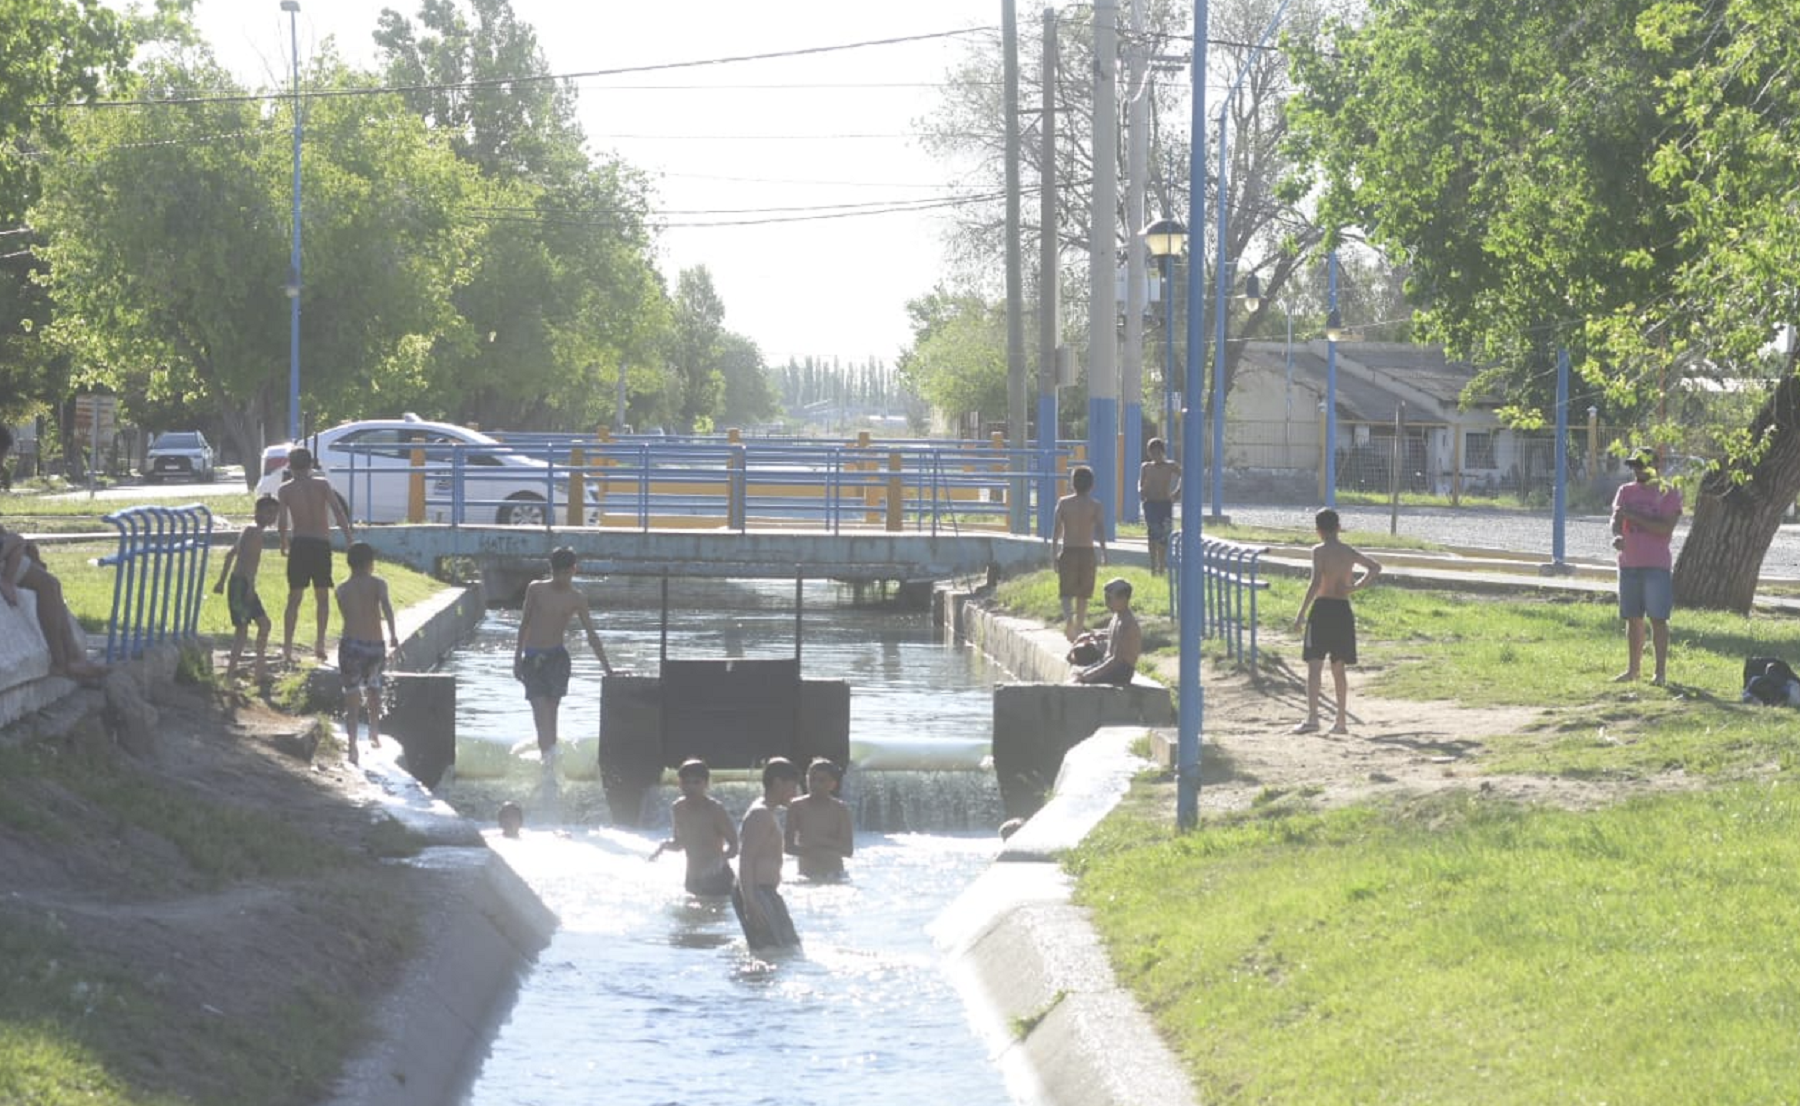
[
  {"x": 292, "y": 7},
  {"x": 1164, "y": 239}
]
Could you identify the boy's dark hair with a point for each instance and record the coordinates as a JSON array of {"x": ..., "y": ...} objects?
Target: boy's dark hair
[
  {"x": 779, "y": 768},
  {"x": 1081, "y": 478},
  {"x": 300, "y": 458},
  {"x": 1156, "y": 443},
  {"x": 1118, "y": 584},
  {"x": 691, "y": 767},
  {"x": 562, "y": 557},
  {"x": 267, "y": 503},
  {"x": 361, "y": 555},
  {"x": 832, "y": 766},
  {"x": 1326, "y": 521}
]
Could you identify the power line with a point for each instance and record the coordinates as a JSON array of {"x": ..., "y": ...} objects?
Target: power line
[{"x": 502, "y": 82}]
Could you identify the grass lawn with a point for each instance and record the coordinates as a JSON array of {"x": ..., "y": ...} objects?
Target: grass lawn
[{"x": 1457, "y": 948}]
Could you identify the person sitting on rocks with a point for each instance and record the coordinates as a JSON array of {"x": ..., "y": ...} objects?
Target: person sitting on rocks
[{"x": 21, "y": 566}]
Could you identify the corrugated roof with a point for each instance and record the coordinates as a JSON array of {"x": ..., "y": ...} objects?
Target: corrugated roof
[{"x": 1422, "y": 368}]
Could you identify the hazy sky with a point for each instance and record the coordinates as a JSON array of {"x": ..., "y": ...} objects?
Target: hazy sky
[{"x": 725, "y": 146}]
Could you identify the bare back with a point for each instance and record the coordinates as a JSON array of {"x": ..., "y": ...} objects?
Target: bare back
[
  {"x": 549, "y": 605},
  {"x": 759, "y": 863},
  {"x": 1334, "y": 569},
  {"x": 308, "y": 505},
  {"x": 363, "y": 601},
  {"x": 1077, "y": 522}
]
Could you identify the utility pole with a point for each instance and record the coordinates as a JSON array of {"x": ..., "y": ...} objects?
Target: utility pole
[
  {"x": 1019, "y": 491},
  {"x": 1049, "y": 283},
  {"x": 1103, "y": 269},
  {"x": 1131, "y": 365}
]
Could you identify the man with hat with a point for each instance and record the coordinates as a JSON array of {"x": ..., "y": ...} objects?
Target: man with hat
[{"x": 1644, "y": 514}]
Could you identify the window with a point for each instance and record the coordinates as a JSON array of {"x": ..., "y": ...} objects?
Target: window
[{"x": 1478, "y": 451}]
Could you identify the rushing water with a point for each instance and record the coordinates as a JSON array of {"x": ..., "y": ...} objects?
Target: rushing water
[{"x": 647, "y": 995}]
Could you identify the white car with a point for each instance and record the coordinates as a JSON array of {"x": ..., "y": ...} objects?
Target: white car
[
  {"x": 183, "y": 453},
  {"x": 369, "y": 464}
]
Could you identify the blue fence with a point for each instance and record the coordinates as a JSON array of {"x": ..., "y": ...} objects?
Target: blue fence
[
  {"x": 1228, "y": 589},
  {"x": 161, "y": 576}
]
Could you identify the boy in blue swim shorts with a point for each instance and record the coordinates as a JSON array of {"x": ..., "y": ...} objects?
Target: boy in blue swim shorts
[
  {"x": 541, "y": 660},
  {"x": 363, "y": 604}
]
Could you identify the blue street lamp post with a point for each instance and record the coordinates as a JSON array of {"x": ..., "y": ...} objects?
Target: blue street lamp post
[
  {"x": 1164, "y": 239},
  {"x": 1187, "y": 756},
  {"x": 1333, "y": 330},
  {"x": 292, "y": 7}
]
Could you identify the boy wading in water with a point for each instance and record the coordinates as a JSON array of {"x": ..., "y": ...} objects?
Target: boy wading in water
[
  {"x": 239, "y": 574},
  {"x": 363, "y": 603},
  {"x": 757, "y": 896},
  {"x": 1077, "y": 545},
  {"x": 703, "y": 831},
  {"x": 820, "y": 830},
  {"x": 540, "y": 660},
  {"x": 1331, "y": 627},
  {"x": 309, "y": 504}
]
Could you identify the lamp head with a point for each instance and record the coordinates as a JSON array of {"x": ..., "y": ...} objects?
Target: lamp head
[
  {"x": 290, "y": 5},
  {"x": 1253, "y": 293},
  {"x": 1334, "y": 326},
  {"x": 1165, "y": 237}
]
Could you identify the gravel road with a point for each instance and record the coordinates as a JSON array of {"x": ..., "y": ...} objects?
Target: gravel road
[{"x": 1586, "y": 537}]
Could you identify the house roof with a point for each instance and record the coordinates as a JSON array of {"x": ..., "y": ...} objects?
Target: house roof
[{"x": 1373, "y": 378}]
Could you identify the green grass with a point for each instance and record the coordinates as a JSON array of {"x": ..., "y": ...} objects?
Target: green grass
[
  {"x": 1459, "y": 950},
  {"x": 39, "y": 514},
  {"x": 88, "y": 588}
]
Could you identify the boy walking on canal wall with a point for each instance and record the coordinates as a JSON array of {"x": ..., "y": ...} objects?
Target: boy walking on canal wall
[
  {"x": 238, "y": 574},
  {"x": 308, "y": 502},
  {"x": 540, "y": 659},
  {"x": 1330, "y": 624},
  {"x": 1080, "y": 535},
  {"x": 363, "y": 603}
]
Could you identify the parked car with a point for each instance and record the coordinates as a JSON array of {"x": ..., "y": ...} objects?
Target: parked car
[
  {"x": 369, "y": 464},
  {"x": 179, "y": 453}
]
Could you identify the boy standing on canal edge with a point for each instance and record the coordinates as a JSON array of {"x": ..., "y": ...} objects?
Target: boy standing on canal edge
[
  {"x": 1159, "y": 486},
  {"x": 819, "y": 828},
  {"x": 1331, "y": 628},
  {"x": 757, "y": 896},
  {"x": 701, "y": 828},
  {"x": 540, "y": 659},
  {"x": 309, "y": 503},
  {"x": 1079, "y": 531},
  {"x": 363, "y": 604},
  {"x": 239, "y": 575}
]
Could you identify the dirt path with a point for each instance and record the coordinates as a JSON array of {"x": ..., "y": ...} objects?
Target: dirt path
[{"x": 1394, "y": 747}]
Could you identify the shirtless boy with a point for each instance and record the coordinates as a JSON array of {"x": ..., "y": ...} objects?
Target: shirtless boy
[
  {"x": 239, "y": 574},
  {"x": 309, "y": 505},
  {"x": 363, "y": 602},
  {"x": 1079, "y": 533},
  {"x": 540, "y": 660},
  {"x": 1331, "y": 627},
  {"x": 757, "y": 896},
  {"x": 1124, "y": 640},
  {"x": 1159, "y": 486},
  {"x": 702, "y": 830},
  {"x": 819, "y": 828}
]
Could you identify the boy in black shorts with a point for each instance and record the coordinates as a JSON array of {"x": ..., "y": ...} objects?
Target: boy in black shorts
[
  {"x": 363, "y": 603},
  {"x": 239, "y": 575},
  {"x": 540, "y": 660},
  {"x": 1331, "y": 629}
]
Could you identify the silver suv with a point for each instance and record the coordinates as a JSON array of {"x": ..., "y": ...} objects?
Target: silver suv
[{"x": 180, "y": 453}]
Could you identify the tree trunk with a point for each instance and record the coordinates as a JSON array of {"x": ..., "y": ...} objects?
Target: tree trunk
[{"x": 1739, "y": 509}]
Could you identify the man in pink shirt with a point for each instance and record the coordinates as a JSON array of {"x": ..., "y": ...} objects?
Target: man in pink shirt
[{"x": 1643, "y": 518}]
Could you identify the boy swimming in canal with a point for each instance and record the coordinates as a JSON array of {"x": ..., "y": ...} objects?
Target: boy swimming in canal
[{"x": 701, "y": 830}]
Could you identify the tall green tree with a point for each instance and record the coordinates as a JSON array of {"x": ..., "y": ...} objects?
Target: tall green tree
[
  {"x": 168, "y": 232},
  {"x": 749, "y": 391},
  {"x": 957, "y": 359},
  {"x": 1614, "y": 177},
  {"x": 697, "y": 347}
]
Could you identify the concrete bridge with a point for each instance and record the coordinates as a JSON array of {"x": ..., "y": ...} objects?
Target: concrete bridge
[{"x": 511, "y": 556}]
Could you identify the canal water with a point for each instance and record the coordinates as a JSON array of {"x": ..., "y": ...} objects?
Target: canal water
[{"x": 648, "y": 996}]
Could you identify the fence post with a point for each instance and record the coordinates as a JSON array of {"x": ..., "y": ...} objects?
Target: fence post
[
  {"x": 415, "y": 486},
  {"x": 736, "y": 512},
  {"x": 1456, "y": 466},
  {"x": 896, "y": 494},
  {"x": 1324, "y": 462},
  {"x": 577, "y": 506}
]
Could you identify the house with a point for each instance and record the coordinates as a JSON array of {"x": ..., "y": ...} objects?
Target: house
[{"x": 1275, "y": 420}]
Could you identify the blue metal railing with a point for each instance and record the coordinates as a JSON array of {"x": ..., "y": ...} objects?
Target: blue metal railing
[
  {"x": 161, "y": 576},
  {"x": 1228, "y": 590}
]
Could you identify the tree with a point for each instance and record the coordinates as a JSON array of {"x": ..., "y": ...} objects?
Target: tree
[
  {"x": 1612, "y": 177},
  {"x": 749, "y": 391},
  {"x": 697, "y": 347},
  {"x": 168, "y": 231},
  {"x": 957, "y": 359}
]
